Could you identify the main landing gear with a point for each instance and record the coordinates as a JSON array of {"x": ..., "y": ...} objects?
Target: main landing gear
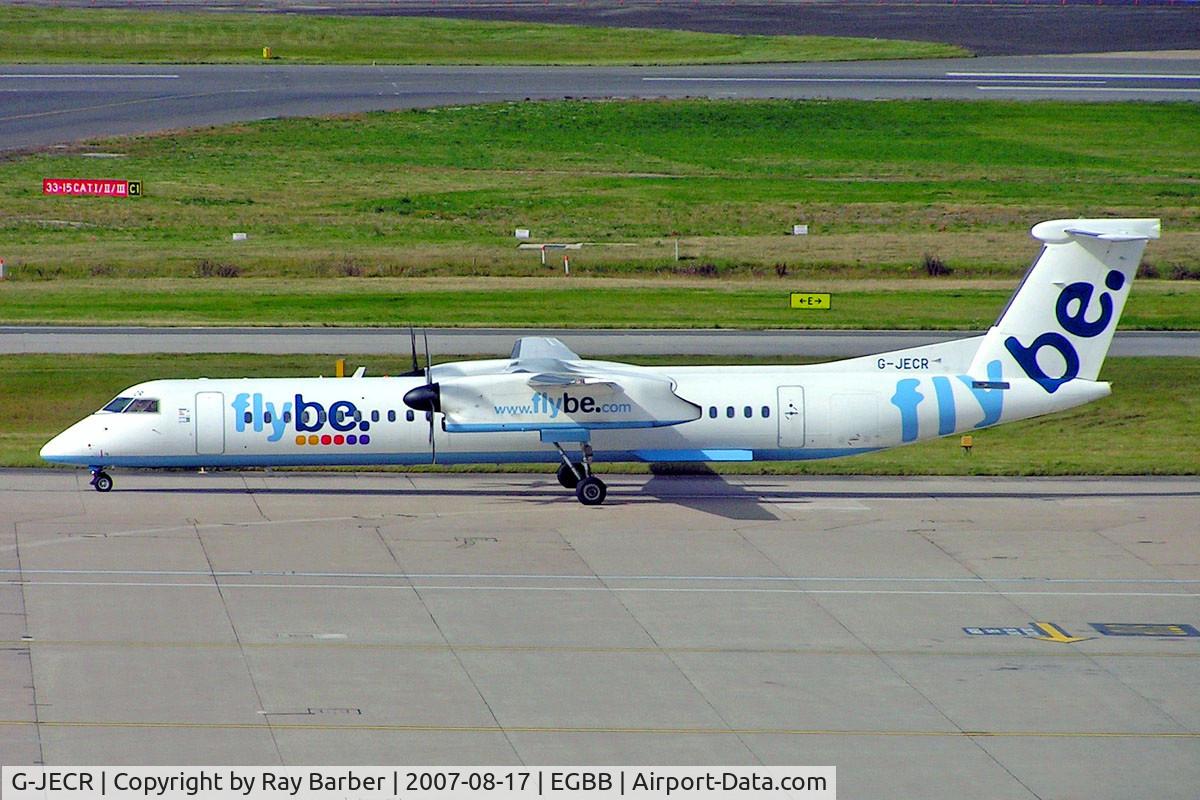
[
  {"x": 101, "y": 481},
  {"x": 577, "y": 475},
  {"x": 568, "y": 474}
]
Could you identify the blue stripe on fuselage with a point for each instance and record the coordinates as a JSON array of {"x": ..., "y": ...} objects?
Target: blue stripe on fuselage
[{"x": 359, "y": 459}]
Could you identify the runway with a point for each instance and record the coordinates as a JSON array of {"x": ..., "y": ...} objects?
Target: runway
[
  {"x": 499, "y": 341},
  {"x": 45, "y": 105},
  {"x": 995, "y": 27},
  {"x": 489, "y": 619}
]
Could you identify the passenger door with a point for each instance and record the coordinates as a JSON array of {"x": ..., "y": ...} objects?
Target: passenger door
[
  {"x": 210, "y": 423},
  {"x": 791, "y": 416}
]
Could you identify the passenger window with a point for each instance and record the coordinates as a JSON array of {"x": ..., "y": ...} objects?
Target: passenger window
[
  {"x": 287, "y": 416},
  {"x": 117, "y": 404},
  {"x": 408, "y": 415},
  {"x": 391, "y": 415},
  {"x": 374, "y": 416},
  {"x": 748, "y": 412},
  {"x": 766, "y": 411},
  {"x": 267, "y": 417},
  {"x": 729, "y": 411},
  {"x": 143, "y": 405},
  {"x": 248, "y": 417},
  {"x": 712, "y": 412},
  {"x": 340, "y": 416},
  {"x": 357, "y": 416}
]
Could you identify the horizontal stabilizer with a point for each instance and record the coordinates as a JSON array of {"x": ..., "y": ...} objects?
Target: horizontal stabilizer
[{"x": 1061, "y": 231}]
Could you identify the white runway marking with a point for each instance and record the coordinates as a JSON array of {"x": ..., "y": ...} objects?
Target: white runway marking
[
  {"x": 1103, "y": 75},
  {"x": 137, "y": 101},
  {"x": 582, "y": 577},
  {"x": 614, "y": 589},
  {"x": 728, "y": 79},
  {"x": 77, "y": 76},
  {"x": 1042, "y": 87}
]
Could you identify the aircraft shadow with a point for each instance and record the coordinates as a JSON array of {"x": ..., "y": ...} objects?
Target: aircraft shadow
[{"x": 719, "y": 497}]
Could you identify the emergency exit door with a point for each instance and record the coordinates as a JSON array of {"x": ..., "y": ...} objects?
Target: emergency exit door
[
  {"x": 210, "y": 423},
  {"x": 791, "y": 416}
]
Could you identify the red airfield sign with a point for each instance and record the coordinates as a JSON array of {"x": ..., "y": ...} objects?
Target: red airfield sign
[{"x": 81, "y": 187}]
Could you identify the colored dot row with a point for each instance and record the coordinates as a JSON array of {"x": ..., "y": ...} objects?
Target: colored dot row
[{"x": 338, "y": 439}]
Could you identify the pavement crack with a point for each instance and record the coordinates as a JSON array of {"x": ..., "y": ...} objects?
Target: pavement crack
[
  {"x": 241, "y": 647},
  {"x": 451, "y": 648},
  {"x": 24, "y": 612},
  {"x": 254, "y": 499}
]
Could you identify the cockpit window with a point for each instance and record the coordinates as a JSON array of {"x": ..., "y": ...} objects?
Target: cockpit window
[
  {"x": 143, "y": 405},
  {"x": 132, "y": 405},
  {"x": 117, "y": 404}
]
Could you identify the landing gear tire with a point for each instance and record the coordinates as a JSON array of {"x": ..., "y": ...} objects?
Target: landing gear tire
[
  {"x": 101, "y": 482},
  {"x": 567, "y": 477},
  {"x": 591, "y": 491}
]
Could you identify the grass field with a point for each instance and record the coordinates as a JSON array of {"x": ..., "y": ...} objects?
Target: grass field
[
  {"x": 440, "y": 191},
  {"x": 1135, "y": 431},
  {"x": 44, "y": 35},
  {"x": 564, "y": 302}
]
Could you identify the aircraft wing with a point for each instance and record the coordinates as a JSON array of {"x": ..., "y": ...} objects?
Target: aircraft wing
[
  {"x": 551, "y": 365},
  {"x": 547, "y": 387},
  {"x": 553, "y": 380},
  {"x": 539, "y": 347}
]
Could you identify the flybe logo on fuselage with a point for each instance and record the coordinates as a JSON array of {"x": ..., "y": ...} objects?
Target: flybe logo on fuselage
[
  {"x": 307, "y": 419},
  {"x": 1073, "y": 321},
  {"x": 543, "y": 403}
]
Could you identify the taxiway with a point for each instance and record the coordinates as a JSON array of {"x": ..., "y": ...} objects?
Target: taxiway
[
  {"x": 499, "y": 341},
  {"x": 429, "y": 618}
]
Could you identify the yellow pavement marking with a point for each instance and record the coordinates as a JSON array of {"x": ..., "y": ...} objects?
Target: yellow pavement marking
[{"x": 1053, "y": 633}]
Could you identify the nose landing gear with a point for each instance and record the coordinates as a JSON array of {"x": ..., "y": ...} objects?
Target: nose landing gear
[
  {"x": 577, "y": 475},
  {"x": 101, "y": 481}
]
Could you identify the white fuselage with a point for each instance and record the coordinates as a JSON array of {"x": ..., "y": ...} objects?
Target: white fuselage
[{"x": 745, "y": 414}]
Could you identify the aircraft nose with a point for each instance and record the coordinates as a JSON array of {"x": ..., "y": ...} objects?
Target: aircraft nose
[
  {"x": 65, "y": 448},
  {"x": 54, "y": 449}
]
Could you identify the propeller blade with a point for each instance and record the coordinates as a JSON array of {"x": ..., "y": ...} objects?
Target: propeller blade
[
  {"x": 416, "y": 368},
  {"x": 435, "y": 401},
  {"x": 428, "y": 358},
  {"x": 412, "y": 340}
]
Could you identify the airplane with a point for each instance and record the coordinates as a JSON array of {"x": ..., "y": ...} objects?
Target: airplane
[{"x": 1042, "y": 355}]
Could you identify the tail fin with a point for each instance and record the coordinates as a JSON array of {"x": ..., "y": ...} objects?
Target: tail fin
[{"x": 1059, "y": 323}]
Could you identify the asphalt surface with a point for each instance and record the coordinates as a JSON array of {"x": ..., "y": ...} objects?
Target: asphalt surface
[
  {"x": 302, "y": 618},
  {"x": 47, "y": 105},
  {"x": 1006, "y": 27},
  {"x": 498, "y": 341}
]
